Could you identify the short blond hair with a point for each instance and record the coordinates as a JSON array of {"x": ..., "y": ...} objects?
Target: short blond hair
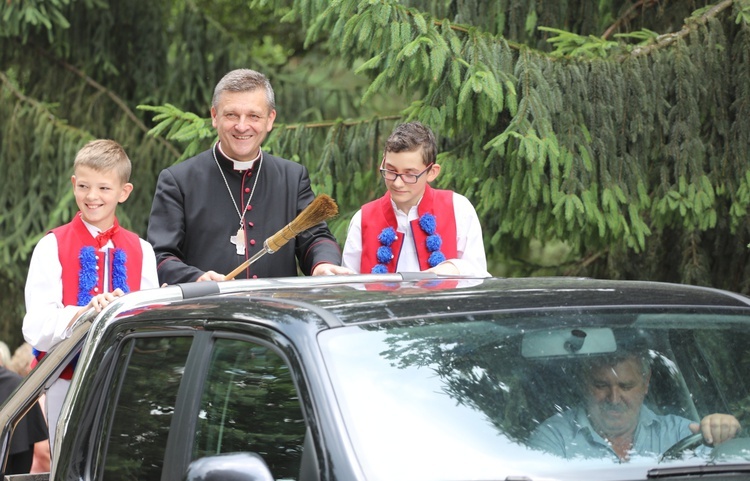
[
  {"x": 104, "y": 155},
  {"x": 20, "y": 361}
]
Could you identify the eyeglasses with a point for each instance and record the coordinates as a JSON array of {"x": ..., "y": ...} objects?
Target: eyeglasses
[{"x": 406, "y": 178}]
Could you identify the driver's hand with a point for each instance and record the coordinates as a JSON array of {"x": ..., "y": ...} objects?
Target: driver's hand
[{"x": 716, "y": 428}]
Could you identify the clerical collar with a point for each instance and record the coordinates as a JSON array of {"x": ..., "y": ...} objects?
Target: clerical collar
[{"x": 239, "y": 165}]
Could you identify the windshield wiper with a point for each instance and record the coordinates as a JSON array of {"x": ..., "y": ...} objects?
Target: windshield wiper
[{"x": 698, "y": 470}]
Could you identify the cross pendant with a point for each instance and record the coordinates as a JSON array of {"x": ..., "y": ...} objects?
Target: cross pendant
[{"x": 239, "y": 241}]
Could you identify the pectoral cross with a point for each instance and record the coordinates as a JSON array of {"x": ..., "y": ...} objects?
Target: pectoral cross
[{"x": 239, "y": 241}]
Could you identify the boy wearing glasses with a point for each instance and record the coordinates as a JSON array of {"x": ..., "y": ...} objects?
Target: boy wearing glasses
[{"x": 414, "y": 227}]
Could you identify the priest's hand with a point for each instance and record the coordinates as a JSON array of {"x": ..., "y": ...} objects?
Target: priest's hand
[
  {"x": 211, "y": 276},
  {"x": 328, "y": 269}
]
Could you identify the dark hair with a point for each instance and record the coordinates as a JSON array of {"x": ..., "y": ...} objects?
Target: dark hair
[
  {"x": 632, "y": 344},
  {"x": 244, "y": 80},
  {"x": 612, "y": 360},
  {"x": 409, "y": 137}
]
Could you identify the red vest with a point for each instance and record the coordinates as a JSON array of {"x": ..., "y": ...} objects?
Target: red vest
[
  {"x": 378, "y": 214},
  {"x": 72, "y": 238}
]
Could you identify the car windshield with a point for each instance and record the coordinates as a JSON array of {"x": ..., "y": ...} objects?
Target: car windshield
[{"x": 519, "y": 394}]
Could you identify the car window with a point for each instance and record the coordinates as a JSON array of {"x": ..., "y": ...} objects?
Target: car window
[
  {"x": 468, "y": 398},
  {"x": 717, "y": 361},
  {"x": 145, "y": 405},
  {"x": 250, "y": 403}
]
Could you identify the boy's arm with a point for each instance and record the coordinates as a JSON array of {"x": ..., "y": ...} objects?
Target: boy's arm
[
  {"x": 470, "y": 243},
  {"x": 352, "y": 255},
  {"x": 46, "y": 320},
  {"x": 149, "y": 278}
]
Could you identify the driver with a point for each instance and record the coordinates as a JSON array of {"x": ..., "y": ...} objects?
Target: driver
[{"x": 614, "y": 421}]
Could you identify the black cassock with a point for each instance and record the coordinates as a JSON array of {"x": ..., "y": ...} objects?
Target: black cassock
[{"x": 193, "y": 218}]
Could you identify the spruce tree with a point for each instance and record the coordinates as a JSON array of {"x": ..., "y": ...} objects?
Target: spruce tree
[{"x": 604, "y": 139}]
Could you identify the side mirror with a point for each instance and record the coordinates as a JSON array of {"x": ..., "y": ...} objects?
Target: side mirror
[{"x": 229, "y": 467}]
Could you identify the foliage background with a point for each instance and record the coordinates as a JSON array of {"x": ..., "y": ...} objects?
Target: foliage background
[{"x": 604, "y": 139}]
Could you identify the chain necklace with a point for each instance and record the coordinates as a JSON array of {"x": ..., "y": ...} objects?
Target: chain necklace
[{"x": 239, "y": 239}]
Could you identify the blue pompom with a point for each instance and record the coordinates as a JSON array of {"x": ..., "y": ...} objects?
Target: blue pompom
[
  {"x": 434, "y": 242},
  {"x": 436, "y": 258},
  {"x": 380, "y": 269},
  {"x": 428, "y": 223},
  {"x": 384, "y": 254},
  {"x": 387, "y": 236}
]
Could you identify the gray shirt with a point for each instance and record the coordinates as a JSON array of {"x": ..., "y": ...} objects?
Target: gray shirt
[{"x": 570, "y": 435}]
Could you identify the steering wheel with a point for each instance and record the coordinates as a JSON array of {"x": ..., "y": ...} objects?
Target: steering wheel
[{"x": 689, "y": 442}]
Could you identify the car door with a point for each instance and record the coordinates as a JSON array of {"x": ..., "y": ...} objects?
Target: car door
[{"x": 174, "y": 398}]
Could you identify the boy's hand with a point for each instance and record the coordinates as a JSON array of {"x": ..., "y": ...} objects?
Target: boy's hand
[
  {"x": 98, "y": 302},
  {"x": 445, "y": 268}
]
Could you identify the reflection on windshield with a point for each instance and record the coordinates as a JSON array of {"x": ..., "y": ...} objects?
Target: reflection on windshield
[{"x": 459, "y": 401}]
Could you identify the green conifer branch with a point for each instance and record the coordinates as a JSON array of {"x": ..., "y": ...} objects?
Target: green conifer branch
[{"x": 691, "y": 25}]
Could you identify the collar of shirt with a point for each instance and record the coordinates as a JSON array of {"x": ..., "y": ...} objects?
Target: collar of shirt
[
  {"x": 403, "y": 218},
  {"x": 407, "y": 259},
  {"x": 240, "y": 165},
  {"x": 646, "y": 420},
  {"x": 94, "y": 231}
]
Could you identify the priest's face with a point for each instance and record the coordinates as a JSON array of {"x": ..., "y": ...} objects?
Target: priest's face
[{"x": 242, "y": 121}]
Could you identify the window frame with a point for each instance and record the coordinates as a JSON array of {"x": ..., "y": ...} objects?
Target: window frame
[{"x": 94, "y": 434}]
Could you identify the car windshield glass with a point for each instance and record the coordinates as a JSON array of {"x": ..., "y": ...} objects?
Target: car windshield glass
[{"x": 540, "y": 395}]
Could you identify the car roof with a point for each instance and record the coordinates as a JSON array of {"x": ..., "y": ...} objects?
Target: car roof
[{"x": 346, "y": 300}]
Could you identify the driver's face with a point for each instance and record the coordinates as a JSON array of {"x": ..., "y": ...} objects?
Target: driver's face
[{"x": 614, "y": 395}]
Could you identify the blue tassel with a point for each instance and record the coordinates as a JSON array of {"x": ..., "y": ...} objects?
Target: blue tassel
[
  {"x": 387, "y": 236},
  {"x": 87, "y": 276},
  {"x": 384, "y": 254},
  {"x": 434, "y": 242},
  {"x": 436, "y": 258},
  {"x": 379, "y": 269},
  {"x": 120, "y": 271},
  {"x": 428, "y": 223}
]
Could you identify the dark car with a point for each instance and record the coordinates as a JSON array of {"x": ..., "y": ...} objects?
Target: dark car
[{"x": 388, "y": 377}]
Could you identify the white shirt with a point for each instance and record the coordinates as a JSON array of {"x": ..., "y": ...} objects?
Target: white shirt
[
  {"x": 46, "y": 320},
  {"x": 471, "y": 259}
]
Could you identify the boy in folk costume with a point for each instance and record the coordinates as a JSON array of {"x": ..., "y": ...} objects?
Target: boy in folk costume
[
  {"x": 87, "y": 262},
  {"x": 414, "y": 227}
]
